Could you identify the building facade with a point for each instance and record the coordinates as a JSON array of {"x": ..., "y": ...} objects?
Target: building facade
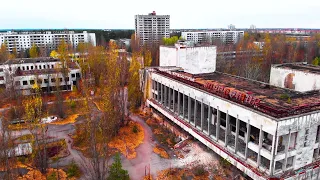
[
  {"x": 199, "y": 37},
  {"x": 150, "y": 29},
  {"x": 22, "y": 74},
  {"x": 47, "y": 39},
  {"x": 246, "y": 122}
]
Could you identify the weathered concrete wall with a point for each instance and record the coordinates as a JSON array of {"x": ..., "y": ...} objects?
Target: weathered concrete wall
[
  {"x": 301, "y": 81},
  {"x": 301, "y": 124},
  {"x": 198, "y": 59},
  {"x": 194, "y": 60},
  {"x": 168, "y": 56}
]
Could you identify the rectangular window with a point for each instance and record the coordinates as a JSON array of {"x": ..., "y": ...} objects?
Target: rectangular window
[
  {"x": 27, "y": 67},
  {"x": 52, "y": 66},
  {"x": 46, "y": 81},
  {"x": 44, "y": 66},
  {"x": 1, "y": 78},
  {"x": 60, "y": 79},
  {"x": 73, "y": 75},
  {"x": 31, "y": 67},
  {"x": 31, "y": 82},
  {"x": 53, "y": 80},
  {"x": 25, "y": 82}
]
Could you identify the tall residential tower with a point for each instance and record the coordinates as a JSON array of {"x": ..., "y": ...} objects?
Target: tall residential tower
[{"x": 150, "y": 29}]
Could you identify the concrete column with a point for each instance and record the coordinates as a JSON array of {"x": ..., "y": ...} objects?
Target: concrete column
[
  {"x": 227, "y": 129},
  {"x": 202, "y": 115},
  {"x": 318, "y": 135},
  {"x": 165, "y": 96},
  {"x": 277, "y": 144},
  {"x": 178, "y": 109},
  {"x": 247, "y": 140},
  {"x": 218, "y": 123},
  {"x": 173, "y": 100},
  {"x": 189, "y": 109},
  {"x": 162, "y": 93},
  {"x": 209, "y": 118},
  {"x": 284, "y": 165},
  {"x": 237, "y": 135},
  {"x": 158, "y": 97},
  {"x": 183, "y": 106},
  {"x": 260, "y": 146},
  {"x": 273, "y": 154},
  {"x": 195, "y": 112},
  {"x": 169, "y": 98}
]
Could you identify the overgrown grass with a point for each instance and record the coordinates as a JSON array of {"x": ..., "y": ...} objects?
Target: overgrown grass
[{"x": 73, "y": 170}]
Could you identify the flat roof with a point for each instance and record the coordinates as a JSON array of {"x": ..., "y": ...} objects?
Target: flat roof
[
  {"x": 273, "y": 101},
  {"x": 300, "y": 67},
  {"x": 31, "y": 60}
]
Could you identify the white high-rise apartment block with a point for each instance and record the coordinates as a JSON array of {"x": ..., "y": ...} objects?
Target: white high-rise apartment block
[
  {"x": 228, "y": 37},
  {"x": 152, "y": 28},
  {"x": 47, "y": 39}
]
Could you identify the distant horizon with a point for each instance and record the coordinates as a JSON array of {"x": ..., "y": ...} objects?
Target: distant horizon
[{"x": 272, "y": 28}]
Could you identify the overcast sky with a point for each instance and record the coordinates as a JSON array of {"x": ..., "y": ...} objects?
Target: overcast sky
[{"x": 119, "y": 14}]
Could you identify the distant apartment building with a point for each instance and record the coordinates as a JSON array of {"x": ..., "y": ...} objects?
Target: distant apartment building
[
  {"x": 151, "y": 28},
  {"x": 199, "y": 37},
  {"x": 46, "y": 39},
  {"x": 22, "y": 74}
]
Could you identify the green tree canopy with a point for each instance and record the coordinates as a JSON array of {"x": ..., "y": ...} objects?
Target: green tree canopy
[
  {"x": 171, "y": 41},
  {"x": 116, "y": 172},
  {"x": 316, "y": 61}
]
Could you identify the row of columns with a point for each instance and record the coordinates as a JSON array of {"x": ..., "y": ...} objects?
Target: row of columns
[{"x": 167, "y": 92}]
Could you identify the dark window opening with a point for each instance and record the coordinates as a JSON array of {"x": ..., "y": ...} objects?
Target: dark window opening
[
  {"x": 31, "y": 82},
  {"x": 25, "y": 82}
]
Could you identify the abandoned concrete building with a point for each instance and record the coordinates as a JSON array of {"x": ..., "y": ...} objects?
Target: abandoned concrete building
[
  {"x": 267, "y": 132},
  {"x": 300, "y": 77}
]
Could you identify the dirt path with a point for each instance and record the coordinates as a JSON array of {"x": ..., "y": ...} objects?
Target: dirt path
[{"x": 145, "y": 156}]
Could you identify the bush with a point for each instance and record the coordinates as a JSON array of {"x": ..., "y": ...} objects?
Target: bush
[
  {"x": 73, "y": 104},
  {"x": 284, "y": 96},
  {"x": 73, "y": 170},
  {"x": 199, "y": 170},
  {"x": 52, "y": 176},
  {"x": 225, "y": 163},
  {"x": 135, "y": 129}
]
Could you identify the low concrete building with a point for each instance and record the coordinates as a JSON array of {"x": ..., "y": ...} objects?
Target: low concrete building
[
  {"x": 300, "y": 77},
  {"x": 22, "y": 74},
  {"x": 251, "y": 124}
]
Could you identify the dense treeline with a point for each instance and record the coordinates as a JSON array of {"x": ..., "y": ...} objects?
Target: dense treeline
[{"x": 254, "y": 61}]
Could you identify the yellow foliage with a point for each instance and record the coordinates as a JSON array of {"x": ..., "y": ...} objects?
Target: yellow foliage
[
  {"x": 34, "y": 51},
  {"x": 147, "y": 178},
  {"x": 161, "y": 152},
  {"x": 35, "y": 174},
  {"x": 70, "y": 119},
  {"x": 126, "y": 141},
  {"x": 54, "y": 54}
]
